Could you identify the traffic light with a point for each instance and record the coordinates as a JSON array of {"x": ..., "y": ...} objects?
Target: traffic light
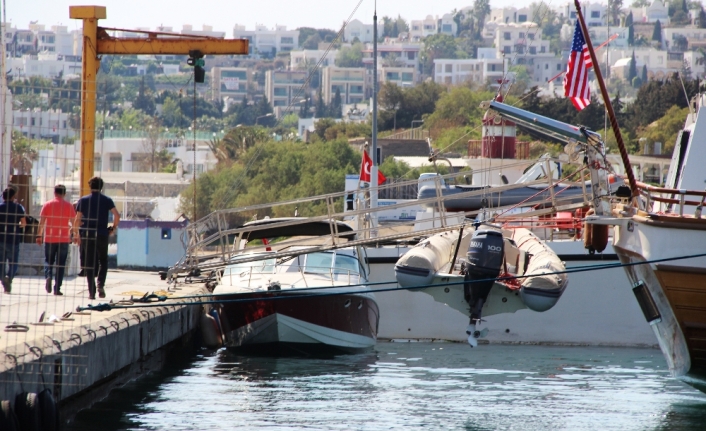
[{"x": 196, "y": 60}]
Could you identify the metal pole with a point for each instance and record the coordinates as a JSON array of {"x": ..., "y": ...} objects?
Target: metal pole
[
  {"x": 374, "y": 150},
  {"x": 90, "y": 16}
]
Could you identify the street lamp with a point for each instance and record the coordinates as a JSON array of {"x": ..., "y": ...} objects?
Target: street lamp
[
  {"x": 262, "y": 116},
  {"x": 394, "y": 122},
  {"x": 417, "y": 121}
]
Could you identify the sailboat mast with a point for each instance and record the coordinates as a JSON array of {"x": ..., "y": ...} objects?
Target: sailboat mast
[
  {"x": 607, "y": 102},
  {"x": 374, "y": 149}
]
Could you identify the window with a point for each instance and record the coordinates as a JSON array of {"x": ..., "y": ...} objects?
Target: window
[
  {"x": 446, "y": 28},
  {"x": 407, "y": 77},
  {"x": 280, "y": 91},
  {"x": 166, "y": 233},
  {"x": 410, "y": 55},
  {"x": 595, "y": 14},
  {"x": 521, "y": 18},
  {"x": 542, "y": 49},
  {"x": 546, "y": 67},
  {"x": 98, "y": 162},
  {"x": 287, "y": 40},
  {"x": 356, "y": 89},
  {"x": 393, "y": 76},
  {"x": 507, "y": 49},
  {"x": 116, "y": 163},
  {"x": 530, "y": 36},
  {"x": 532, "y": 50},
  {"x": 491, "y": 68},
  {"x": 572, "y": 15},
  {"x": 507, "y": 35},
  {"x": 522, "y": 35},
  {"x": 448, "y": 68},
  {"x": 558, "y": 67}
]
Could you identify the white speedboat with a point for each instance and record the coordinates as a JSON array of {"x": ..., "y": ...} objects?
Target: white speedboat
[{"x": 315, "y": 302}]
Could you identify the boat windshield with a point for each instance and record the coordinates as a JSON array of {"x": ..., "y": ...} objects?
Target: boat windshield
[
  {"x": 258, "y": 267},
  {"x": 324, "y": 263}
]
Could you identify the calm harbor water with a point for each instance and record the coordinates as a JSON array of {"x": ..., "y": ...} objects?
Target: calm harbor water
[{"x": 410, "y": 386}]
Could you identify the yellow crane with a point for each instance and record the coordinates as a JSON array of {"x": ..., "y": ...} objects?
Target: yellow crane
[{"x": 97, "y": 42}]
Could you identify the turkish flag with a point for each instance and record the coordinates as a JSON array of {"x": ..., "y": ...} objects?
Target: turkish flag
[{"x": 365, "y": 170}]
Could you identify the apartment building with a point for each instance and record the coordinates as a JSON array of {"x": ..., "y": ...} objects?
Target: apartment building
[
  {"x": 47, "y": 65},
  {"x": 660, "y": 64},
  {"x": 308, "y": 58},
  {"x": 394, "y": 52},
  {"x": 600, "y": 34},
  {"x": 656, "y": 10},
  {"x": 479, "y": 71},
  {"x": 52, "y": 124},
  {"x": 593, "y": 13},
  {"x": 509, "y": 15},
  {"x": 206, "y": 30},
  {"x": 283, "y": 87},
  {"x": 349, "y": 81},
  {"x": 37, "y": 39},
  {"x": 523, "y": 39},
  {"x": 356, "y": 29},
  {"x": 696, "y": 37},
  {"x": 402, "y": 76},
  {"x": 421, "y": 28},
  {"x": 230, "y": 82},
  {"x": 268, "y": 42}
]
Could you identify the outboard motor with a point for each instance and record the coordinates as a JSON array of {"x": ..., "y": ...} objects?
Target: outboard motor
[{"x": 485, "y": 258}]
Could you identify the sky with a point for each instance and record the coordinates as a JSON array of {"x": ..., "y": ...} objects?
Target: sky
[{"x": 223, "y": 14}]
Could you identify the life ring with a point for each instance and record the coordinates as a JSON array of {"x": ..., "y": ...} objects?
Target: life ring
[
  {"x": 27, "y": 411},
  {"x": 48, "y": 411},
  {"x": 8, "y": 419},
  {"x": 595, "y": 238}
]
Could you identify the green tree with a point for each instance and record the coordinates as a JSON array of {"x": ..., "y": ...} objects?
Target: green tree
[
  {"x": 144, "y": 100},
  {"x": 350, "y": 56},
  {"x": 23, "y": 153},
  {"x": 631, "y": 30},
  {"x": 171, "y": 113},
  {"x": 643, "y": 76},
  {"x": 336, "y": 105},
  {"x": 632, "y": 71},
  {"x": 437, "y": 46},
  {"x": 657, "y": 32},
  {"x": 481, "y": 9},
  {"x": 615, "y": 8}
]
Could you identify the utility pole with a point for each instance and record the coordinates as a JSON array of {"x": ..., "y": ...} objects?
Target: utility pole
[{"x": 97, "y": 41}]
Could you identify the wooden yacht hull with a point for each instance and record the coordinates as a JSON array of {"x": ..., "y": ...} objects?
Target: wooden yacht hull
[
  {"x": 299, "y": 323},
  {"x": 677, "y": 288}
]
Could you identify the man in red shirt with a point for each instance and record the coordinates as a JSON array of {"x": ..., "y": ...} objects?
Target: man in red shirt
[{"x": 57, "y": 221}]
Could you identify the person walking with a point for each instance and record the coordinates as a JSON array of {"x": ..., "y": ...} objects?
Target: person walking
[
  {"x": 56, "y": 223},
  {"x": 12, "y": 219},
  {"x": 92, "y": 215}
]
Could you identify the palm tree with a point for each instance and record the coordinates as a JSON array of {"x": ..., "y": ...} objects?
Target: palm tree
[{"x": 22, "y": 154}]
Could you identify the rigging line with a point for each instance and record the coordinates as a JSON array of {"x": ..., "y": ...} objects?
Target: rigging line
[{"x": 277, "y": 295}]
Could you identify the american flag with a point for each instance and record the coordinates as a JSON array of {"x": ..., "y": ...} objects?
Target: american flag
[{"x": 576, "y": 78}]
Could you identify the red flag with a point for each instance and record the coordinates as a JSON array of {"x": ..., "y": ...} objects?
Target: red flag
[
  {"x": 576, "y": 78},
  {"x": 365, "y": 170}
]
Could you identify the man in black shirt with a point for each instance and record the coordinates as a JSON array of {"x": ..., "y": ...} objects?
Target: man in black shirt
[
  {"x": 92, "y": 212},
  {"x": 12, "y": 219}
]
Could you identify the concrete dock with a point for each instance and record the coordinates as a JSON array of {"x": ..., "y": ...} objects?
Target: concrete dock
[{"x": 82, "y": 356}]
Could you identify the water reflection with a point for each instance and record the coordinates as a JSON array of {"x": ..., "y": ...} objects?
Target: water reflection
[{"x": 411, "y": 386}]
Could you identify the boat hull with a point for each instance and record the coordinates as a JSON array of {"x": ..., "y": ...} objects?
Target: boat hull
[
  {"x": 677, "y": 288},
  {"x": 299, "y": 324}
]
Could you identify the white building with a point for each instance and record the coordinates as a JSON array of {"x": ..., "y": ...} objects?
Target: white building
[
  {"x": 285, "y": 87},
  {"x": 419, "y": 29},
  {"x": 509, "y": 15},
  {"x": 660, "y": 64},
  {"x": 349, "y": 81},
  {"x": 393, "y": 52},
  {"x": 402, "y": 76},
  {"x": 593, "y": 13},
  {"x": 268, "y": 42},
  {"x": 695, "y": 36},
  {"x": 524, "y": 40},
  {"x": 600, "y": 34},
  {"x": 37, "y": 39},
  {"x": 206, "y": 30},
  {"x": 308, "y": 58},
  {"x": 45, "y": 64},
  {"x": 230, "y": 82},
  {"x": 363, "y": 32},
  {"x": 479, "y": 71},
  {"x": 52, "y": 124}
]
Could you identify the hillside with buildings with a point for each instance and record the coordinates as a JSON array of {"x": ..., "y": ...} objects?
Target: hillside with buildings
[{"x": 150, "y": 120}]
